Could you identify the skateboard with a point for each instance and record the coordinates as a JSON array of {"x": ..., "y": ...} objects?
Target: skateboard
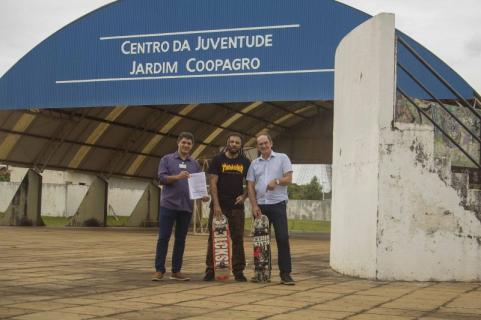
[
  {"x": 221, "y": 248},
  {"x": 262, "y": 250}
]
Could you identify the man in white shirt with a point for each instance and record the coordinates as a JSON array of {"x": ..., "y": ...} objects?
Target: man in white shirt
[{"x": 267, "y": 181}]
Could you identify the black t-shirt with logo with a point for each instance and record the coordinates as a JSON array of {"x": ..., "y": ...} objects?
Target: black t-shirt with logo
[{"x": 231, "y": 174}]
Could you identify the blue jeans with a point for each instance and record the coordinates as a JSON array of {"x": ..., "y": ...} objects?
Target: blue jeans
[
  {"x": 277, "y": 215},
  {"x": 167, "y": 218}
]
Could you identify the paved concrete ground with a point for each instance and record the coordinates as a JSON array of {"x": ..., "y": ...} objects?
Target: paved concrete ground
[{"x": 49, "y": 273}]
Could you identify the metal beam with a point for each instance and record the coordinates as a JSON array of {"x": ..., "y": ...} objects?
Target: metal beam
[
  {"x": 196, "y": 119},
  {"x": 95, "y": 135},
  {"x": 272, "y": 104},
  {"x": 251, "y": 116},
  {"x": 117, "y": 124},
  {"x": 155, "y": 140},
  {"x": 55, "y": 142},
  {"x": 37, "y": 136},
  {"x": 226, "y": 124},
  {"x": 119, "y": 174},
  {"x": 22, "y": 124},
  {"x": 128, "y": 143},
  {"x": 279, "y": 120},
  {"x": 322, "y": 105}
]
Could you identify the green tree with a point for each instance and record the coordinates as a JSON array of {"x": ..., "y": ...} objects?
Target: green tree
[
  {"x": 311, "y": 191},
  {"x": 294, "y": 191},
  {"x": 4, "y": 174}
]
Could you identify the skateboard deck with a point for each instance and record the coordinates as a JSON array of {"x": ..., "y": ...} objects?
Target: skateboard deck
[
  {"x": 221, "y": 248},
  {"x": 262, "y": 250}
]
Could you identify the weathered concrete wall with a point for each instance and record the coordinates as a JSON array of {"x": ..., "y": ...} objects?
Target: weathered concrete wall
[
  {"x": 319, "y": 210},
  {"x": 146, "y": 211},
  {"x": 316, "y": 210},
  {"x": 7, "y": 191},
  {"x": 424, "y": 233},
  {"x": 24, "y": 208},
  {"x": 364, "y": 86},
  {"x": 395, "y": 212},
  {"x": 92, "y": 211},
  {"x": 124, "y": 194},
  {"x": 63, "y": 200}
]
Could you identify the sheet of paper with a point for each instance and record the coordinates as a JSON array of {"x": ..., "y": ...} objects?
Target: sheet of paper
[{"x": 197, "y": 185}]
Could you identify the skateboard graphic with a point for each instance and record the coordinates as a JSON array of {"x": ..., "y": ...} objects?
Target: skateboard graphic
[
  {"x": 262, "y": 249},
  {"x": 221, "y": 248}
]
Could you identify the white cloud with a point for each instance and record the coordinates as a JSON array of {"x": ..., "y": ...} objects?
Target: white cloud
[
  {"x": 473, "y": 46},
  {"x": 448, "y": 28},
  {"x": 26, "y": 23}
]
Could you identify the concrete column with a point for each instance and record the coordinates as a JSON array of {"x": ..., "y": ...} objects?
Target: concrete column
[
  {"x": 146, "y": 212},
  {"x": 92, "y": 211},
  {"x": 395, "y": 214},
  {"x": 363, "y": 103},
  {"x": 25, "y": 207}
]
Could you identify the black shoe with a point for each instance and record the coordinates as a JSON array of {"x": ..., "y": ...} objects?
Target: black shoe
[
  {"x": 240, "y": 277},
  {"x": 286, "y": 279},
  {"x": 209, "y": 275}
]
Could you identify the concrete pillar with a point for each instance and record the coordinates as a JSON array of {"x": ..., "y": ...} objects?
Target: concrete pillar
[
  {"x": 92, "y": 211},
  {"x": 395, "y": 214},
  {"x": 25, "y": 207},
  {"x": 146, "y": 212}
]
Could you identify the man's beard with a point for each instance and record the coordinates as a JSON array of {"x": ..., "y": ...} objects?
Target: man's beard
[{"x": 233, "y": 151}]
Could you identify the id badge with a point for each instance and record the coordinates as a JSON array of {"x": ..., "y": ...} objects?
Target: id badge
[{"x": 182, "y": 166}]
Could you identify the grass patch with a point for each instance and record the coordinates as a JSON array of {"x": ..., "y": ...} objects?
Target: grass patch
[
  {"x": 55, "y": 221},
  {"x": 119, "y": 222},
  {"x": 296, "y": 225}
]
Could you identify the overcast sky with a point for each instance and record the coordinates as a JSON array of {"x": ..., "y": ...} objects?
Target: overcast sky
[{"x": 449, "y": 28}]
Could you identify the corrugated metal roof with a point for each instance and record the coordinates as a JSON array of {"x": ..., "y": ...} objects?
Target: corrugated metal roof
[{"x": 130, "y": 141}]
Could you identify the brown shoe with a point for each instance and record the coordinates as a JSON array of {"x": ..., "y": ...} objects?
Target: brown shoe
[
  {"x": 179, "y": 276},
  {"x": 158, "y": 276}
]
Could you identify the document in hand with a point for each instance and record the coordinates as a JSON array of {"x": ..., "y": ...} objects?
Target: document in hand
[{"x": 197, "y": 185}]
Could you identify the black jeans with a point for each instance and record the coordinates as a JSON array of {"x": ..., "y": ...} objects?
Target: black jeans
[
  {"x": 277, "y": 215},
  {"x": 236, "y": 218},
  {"x": 167, "y": 218}
]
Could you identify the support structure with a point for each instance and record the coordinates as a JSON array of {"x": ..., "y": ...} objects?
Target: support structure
[
  {"x": 146, "y": 212},
  {"x": 92, "y": 211},
  {"x": 396, "y": 212},
  {"x": 25, "y": 207}
]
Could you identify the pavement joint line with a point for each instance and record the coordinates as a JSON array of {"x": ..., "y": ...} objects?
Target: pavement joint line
[
  {"x": 320, "y": 303},
  {"x": 119, "y": 279},
  {"x": 211, "y": 311},
  {"x": 174, "y": 303},
  {"x": 109, "y": 292},
  {"x": 329, "y": 300},
  {"x": 449, "y": 301},
  {"x": 392, "y": 300}
]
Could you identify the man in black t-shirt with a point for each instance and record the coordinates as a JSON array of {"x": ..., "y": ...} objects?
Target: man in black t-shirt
[{"x": 228, "y": 171}]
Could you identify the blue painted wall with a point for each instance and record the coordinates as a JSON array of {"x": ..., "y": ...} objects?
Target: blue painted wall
[{"x": 95, "y": 60}]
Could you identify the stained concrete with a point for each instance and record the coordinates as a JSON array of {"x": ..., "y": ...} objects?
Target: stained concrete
[{"x": 87, "y": 273}]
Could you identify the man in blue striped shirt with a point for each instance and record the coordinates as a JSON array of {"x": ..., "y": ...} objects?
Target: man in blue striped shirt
[{"x": 267, "y": 181}]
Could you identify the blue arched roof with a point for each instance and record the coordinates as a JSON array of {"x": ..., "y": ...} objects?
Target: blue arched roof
[{"x": 96, "y": 60}]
